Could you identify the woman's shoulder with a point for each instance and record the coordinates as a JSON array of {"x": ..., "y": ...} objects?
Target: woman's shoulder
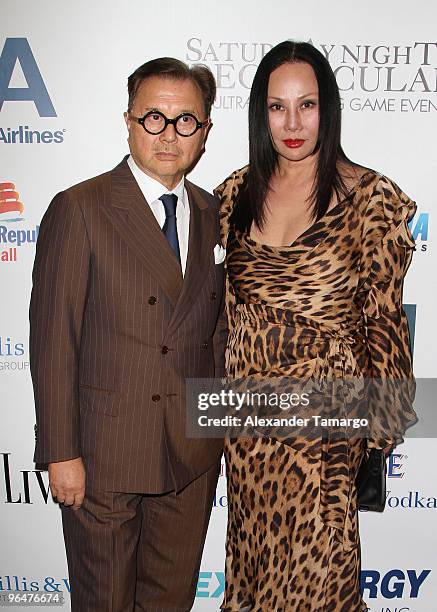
[
  {"x": 230, "y": 186},
  {"x": 385, "y": 210},
  {"x": 357, "y": 178},
  {"x": 378, "y": 196},
  {"x": 227, "y": 193}
]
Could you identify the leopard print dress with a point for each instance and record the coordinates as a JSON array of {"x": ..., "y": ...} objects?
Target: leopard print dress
[{"x": 328, "y": 305}]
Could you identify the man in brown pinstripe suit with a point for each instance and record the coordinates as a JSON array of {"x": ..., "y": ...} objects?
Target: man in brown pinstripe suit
[{"x": 125, "y": 306}]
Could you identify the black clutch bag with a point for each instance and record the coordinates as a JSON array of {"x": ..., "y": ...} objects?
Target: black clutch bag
[{"x": 371, "y": 481}]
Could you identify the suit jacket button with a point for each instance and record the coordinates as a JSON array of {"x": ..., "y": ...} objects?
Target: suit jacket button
[
  {"x": 152, "y": 300},
  {"x": 204, "y": 345},
  {"x": 213, "y": 295},
  {"x": 156, "y": 398},
  {"x": 165, "y": 350}
]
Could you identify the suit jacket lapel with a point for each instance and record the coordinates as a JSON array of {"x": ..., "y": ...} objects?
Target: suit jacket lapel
[
  {"x": 134, "y": 220},
  {"x": 202, "y": 238}
]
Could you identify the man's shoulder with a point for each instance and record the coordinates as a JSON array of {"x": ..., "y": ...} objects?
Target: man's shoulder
[
  {"x": 210, "y": 198},
  {"x": 90, "y": 187},
  {"x": 96, "y": 186}
]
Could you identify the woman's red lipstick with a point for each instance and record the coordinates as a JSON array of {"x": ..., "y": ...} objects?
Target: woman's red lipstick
[{"x": 293, "y": 144}]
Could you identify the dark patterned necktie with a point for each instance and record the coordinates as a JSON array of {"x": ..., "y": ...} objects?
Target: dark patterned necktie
[{"x": 170, "y": 228}]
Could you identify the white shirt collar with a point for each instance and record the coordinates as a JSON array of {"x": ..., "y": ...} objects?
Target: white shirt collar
[{"x": 153, "y": 189}]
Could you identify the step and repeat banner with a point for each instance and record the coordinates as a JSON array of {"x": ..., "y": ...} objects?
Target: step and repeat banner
[{"x": 63, "y": 76}]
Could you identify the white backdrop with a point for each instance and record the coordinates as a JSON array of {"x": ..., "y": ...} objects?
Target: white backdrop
[{"x": 71, "y": 61}]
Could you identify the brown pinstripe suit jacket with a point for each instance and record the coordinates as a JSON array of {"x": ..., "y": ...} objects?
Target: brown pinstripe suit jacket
[{"x": 116, "y": 330}]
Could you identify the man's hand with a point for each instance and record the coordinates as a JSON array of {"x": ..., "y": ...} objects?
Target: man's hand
[{"x": 67, "y": 482}]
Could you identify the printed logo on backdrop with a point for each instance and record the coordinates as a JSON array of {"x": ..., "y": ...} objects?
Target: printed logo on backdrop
[
  {"x": 393, "y": 585},
  {"x": 22, "y": 486},
  {"x": 233, "y": 64},
  {"x": 12, "y": 237},
  {"x": 23, "y": 584},
  {"x": 11, "y": 209},
  {"x": 220, "y": 501},
  {"x": 410, "y": 311},
  {"x": 21, "y": 82},
  {"x": 403, "y": 498},
  {"x": 13, "y": 355},
  {"x": 389, "y": 78},
  {"x": 419, "y": 226},
  {"x": 396, "y": 465}
]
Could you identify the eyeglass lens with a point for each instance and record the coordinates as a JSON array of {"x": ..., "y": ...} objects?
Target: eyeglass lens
[{"x": 156, "y": 123}]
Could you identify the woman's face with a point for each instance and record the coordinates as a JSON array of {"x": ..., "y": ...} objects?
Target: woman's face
[{"x": 293, "y": 110}]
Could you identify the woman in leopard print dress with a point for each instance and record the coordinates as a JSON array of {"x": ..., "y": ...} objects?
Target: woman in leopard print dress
[{"x": 328, "y": 304}]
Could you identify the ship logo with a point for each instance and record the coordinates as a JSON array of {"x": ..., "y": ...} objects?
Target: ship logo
[{"x": 11, "y": 209}]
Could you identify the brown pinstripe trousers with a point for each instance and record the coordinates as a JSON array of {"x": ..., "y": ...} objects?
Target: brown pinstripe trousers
[{"x": 124, "y": 548}]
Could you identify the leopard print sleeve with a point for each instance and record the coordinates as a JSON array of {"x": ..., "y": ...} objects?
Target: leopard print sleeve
[
  {"x": 387, "y": 252},
  {"x": 227, "y": 193}
]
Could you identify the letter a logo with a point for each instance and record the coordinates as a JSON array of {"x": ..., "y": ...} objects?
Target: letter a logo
[{"x": 18, "y": 49}]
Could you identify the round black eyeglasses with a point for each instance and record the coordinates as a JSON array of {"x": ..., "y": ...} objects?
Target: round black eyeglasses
[{"x": 155, "y": 122}]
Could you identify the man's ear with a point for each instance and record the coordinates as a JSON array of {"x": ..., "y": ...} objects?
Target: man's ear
[
  {"x": 206, "y": 134},
  {"x": 127, "y": 120}
]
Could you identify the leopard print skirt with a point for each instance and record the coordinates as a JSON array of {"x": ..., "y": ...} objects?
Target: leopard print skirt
[{"x": 280, "y": 556}]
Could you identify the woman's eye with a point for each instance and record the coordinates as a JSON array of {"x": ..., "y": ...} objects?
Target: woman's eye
[
  {"x": 275, "y": 107},
  {"x": 308, "y": 104}
]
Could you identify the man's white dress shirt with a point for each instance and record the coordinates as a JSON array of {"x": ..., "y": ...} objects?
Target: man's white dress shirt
[{"x": 152, "y": 191}]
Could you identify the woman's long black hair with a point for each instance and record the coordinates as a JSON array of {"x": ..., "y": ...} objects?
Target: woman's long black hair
[{"x": 263, "y": 158}]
